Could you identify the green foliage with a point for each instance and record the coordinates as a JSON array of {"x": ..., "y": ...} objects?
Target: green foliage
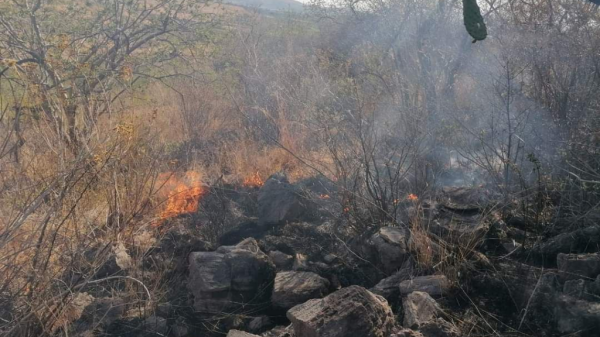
[{"x": 474, "y": 21}]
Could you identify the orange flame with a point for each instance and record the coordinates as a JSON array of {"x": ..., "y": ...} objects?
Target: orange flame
[
  {"x": 413, "y": 197},
  {"x": 253, "y": 180},
  {"x": 324, "y": 196},
  {"x": 184, "y": 193}
]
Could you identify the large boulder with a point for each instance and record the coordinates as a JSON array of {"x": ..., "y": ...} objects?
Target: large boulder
[
  {"x": 293, "y": 288},
  {"x": 575, "y": 266},
  {"x": 434, "y": 285},
  {"x": 351, "y": 311},
  {"x": 419, "y": 307},
  {"x": 230, "y": 278},
  {"x": 280, "y": 202}
]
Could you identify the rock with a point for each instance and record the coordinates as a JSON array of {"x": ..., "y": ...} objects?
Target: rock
[
  {"x": 407, "y": 333},
  {"x": 463, "y": 227},
  {"x": 179, "y": 328},
  {"x": 280, "y": 331},
  {"x": 351, "y": 311},
  {"x": 280, "y": 202},
  {"x": 238, "y": 333},
  {"x": 419, "y": 307},
  {"x": 574, "y": 266},
  {"x": 330, "y": 258},
  {"x": 231, "y": 277},
  {"x": 282, "y": 261},
  {"x": 584, "y": 240},
  {"x": 259, "y": 324},
  {"x": 389, "y": 287},
  {"x": 439, "y": 328},
  {"x": 391, "y": 244},
  {"x": 574, "y": 288},
  {"x": 293, "y": 288},
  {"x": 574, "y": 315},
  {"x": 156, "y": 325},
  {"x": 434, "y": 285},
  {"x": 101, "y": 313},
  {"x": 511, "y": 246}
]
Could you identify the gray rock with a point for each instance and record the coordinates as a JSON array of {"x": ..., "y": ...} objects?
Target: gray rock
[
  {"x": 280, "y": 202},
  {"x": 101, "y": 313},
  {"x": 575, "y": 266},
  {"x": 260, "y": 323},
  {"x": 407, "y": 333},
  {"x": 238, "y": 333},
  {"x": 280, "y": 331},
  {"x": 434, "y": 285},
  {"x": 439, "y": 328},
  {"x": 391, "y": 245},
  {"x": 574, "y": 288},
  {"x": 351, "y": 311},
  {"x": 231, "y": 277},
  {"x": 156, "y": 325},
  {"x": 389, "y": 287},
  {"x": 574, "y": 315},
  {"x": 282, "y": 261},
  {"x": 293, "y": 288},
  {"x": 419, "y": 307},
  {"x": 578, "y": 241}
]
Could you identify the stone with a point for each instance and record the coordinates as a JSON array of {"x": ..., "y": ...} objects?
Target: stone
[
  {"x": 238, "y": 333},
  {"x": 293, "y": 288},
  {"x": 574, "y": 288},
  {"x": 575, "y": 266},
  {"x": 351, "y": 311},
  {"x": 434, "y": 285},
  {"x": 101, "y": 313},
  {"x": 419, "y": 307},
  {"x": 231, "y": 277},
  {"x": 389, "y": 287},
  {"x": 579, "y": 241},
  {"x": 259, "y": 324},
  {"x": 573, "y": 315},
  {"x": 391, "y": 245},
  {"x": 439, "y": 328},
  {"x": 407, "y": 333},
  {"x": 280, "y": 202},
  {"x": 282, "y": 261},
  {"x": 156, "y": 325},
  {"x": 280, "y": 331}
]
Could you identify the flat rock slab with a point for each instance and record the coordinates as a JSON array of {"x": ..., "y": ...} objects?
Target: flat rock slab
[
  {"x": 434, "y": 285},
  {"x": 351, "y": 311},
  {"x": 576, "y": 266},
  {"x": 296, "y": 287}
]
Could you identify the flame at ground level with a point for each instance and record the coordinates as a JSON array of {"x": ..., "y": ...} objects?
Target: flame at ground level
[{"x": 183, "y": 193}]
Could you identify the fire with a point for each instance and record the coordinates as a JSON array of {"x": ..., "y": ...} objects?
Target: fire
[
  {"x": 412, "y": 197},
  {"x": 253, "y": 180},
  {"x": 184, "y": 193},
  {"x": 324, "y": 196}
]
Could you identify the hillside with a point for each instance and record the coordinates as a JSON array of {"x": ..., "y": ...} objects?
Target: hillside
[{"x": 274, "y": 5}]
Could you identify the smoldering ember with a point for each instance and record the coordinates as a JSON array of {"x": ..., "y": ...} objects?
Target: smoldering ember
[{"x": 324, "y": 168}]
